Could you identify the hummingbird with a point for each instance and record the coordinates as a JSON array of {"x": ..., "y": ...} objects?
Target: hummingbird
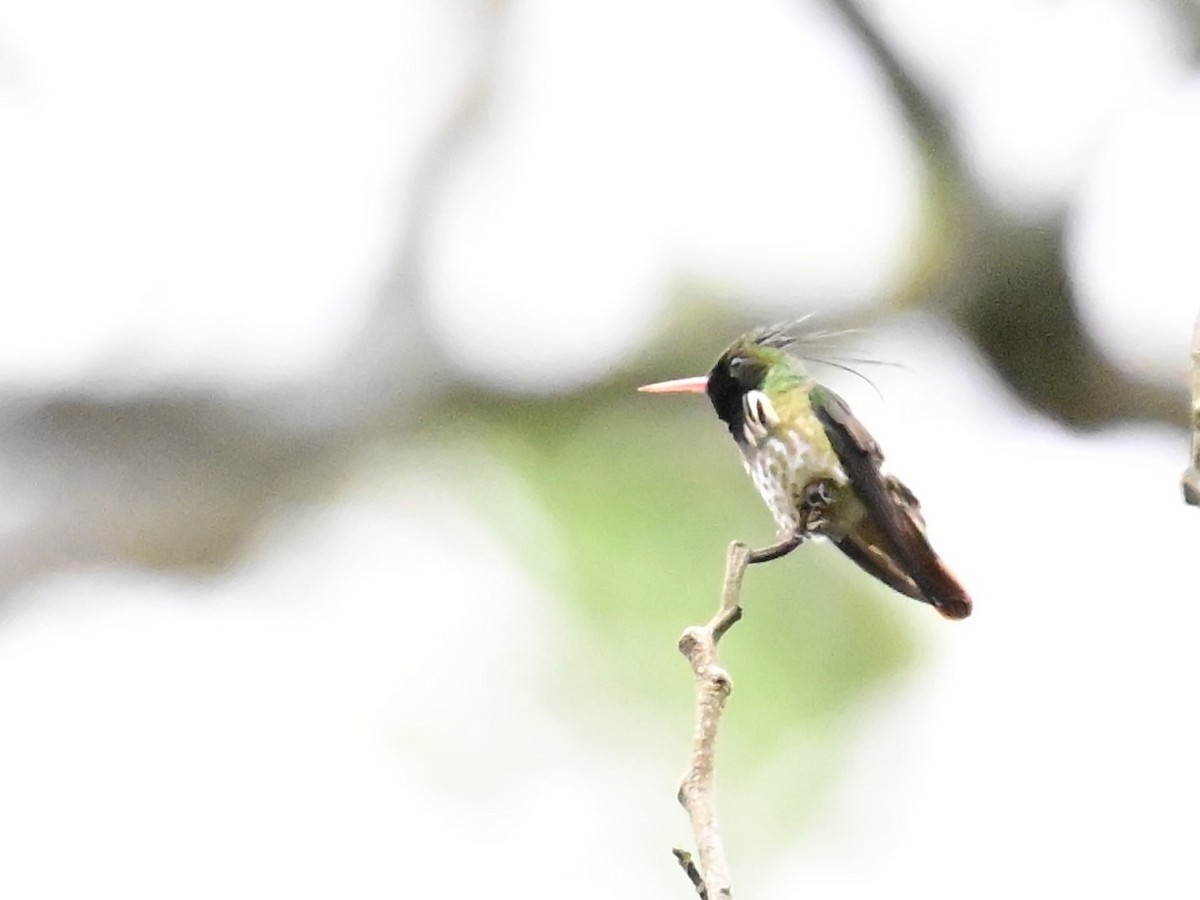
[{"x": 818, "y": 469}]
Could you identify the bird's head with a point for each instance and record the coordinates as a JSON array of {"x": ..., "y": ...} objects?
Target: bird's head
[{"x": 755, "y": 364}]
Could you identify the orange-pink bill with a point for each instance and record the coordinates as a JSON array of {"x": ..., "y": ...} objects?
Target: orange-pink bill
[{"x": 695, "y": 385}]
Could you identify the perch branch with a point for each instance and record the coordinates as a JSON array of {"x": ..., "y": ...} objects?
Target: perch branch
[
  {"x": 697, "y": 792},
  {"x": 1191, "y": 476}
]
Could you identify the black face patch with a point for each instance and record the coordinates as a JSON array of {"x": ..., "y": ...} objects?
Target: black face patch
[{"x": 734, "y": 376}]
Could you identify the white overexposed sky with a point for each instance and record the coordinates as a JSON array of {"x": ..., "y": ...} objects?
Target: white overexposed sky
[
  {"x": 708, "y": 142},
  {"x": 1131, "y": 242},
  {"x": 218, "y": 197},
  {"x": 205, "y": 195}
]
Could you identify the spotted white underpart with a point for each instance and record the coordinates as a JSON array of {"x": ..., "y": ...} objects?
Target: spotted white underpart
[{"x": 781, "y": 462}]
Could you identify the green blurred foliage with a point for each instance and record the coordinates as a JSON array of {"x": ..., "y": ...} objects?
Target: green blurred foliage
[{"x": 644, "y": 494}]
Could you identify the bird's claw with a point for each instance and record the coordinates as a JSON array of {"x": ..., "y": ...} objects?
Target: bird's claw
[{"x": 815, "y": 499}]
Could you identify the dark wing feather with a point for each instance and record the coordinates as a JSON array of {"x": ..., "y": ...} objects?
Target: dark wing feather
[
  {"x": 866, "y": 548},
  {"x": 903, "y": 557}
]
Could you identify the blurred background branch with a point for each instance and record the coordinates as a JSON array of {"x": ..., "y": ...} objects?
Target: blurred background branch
[
  {"x": 172, "y": 477},
  {"x": 1191, "y": 477},
  {"x": 1003, "y": 279}
]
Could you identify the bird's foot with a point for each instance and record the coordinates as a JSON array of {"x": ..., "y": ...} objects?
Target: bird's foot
[
  {"x": 814, "y": 502},
  {"x": 815, "y": 499}
]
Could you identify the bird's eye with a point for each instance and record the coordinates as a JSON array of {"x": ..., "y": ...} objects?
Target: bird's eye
[{"x": 737, "y": 365}]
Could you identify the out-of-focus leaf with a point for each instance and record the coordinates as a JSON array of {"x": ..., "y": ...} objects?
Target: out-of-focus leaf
[{"x": 645, "y": 494}]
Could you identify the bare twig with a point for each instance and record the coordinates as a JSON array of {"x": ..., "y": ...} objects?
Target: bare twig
[
  {"x": 689, "y": 869},
  {"x": 1191, "y": 476},
  {"x": 697, "y": 790}
]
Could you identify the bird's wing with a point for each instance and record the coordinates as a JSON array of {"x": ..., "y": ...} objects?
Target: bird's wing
[{"x": 893, "y": 511}]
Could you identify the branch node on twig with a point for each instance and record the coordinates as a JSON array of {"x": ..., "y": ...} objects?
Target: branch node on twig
[
  {"x": 689, "y": 640},
  {"x": 725, "y": 621}
]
